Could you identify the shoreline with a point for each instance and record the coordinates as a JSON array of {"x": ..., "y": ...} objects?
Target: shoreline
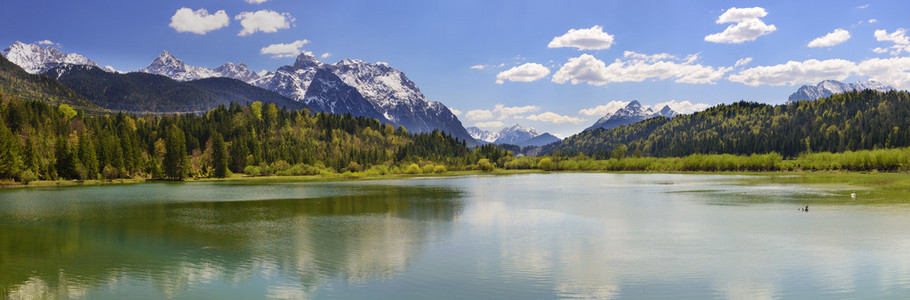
[{"x": 891, "y": 180}]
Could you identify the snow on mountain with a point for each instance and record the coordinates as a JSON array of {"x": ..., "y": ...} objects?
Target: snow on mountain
[
  {"x": 482, "y": 135},
  {"x": 385, "y": 89},
  {"x": 830, "y": 87},
  {"x": 168, "y": 65},
  {"x": 516, "y": 134},
  {"x": 36, "y": 59},
  {"x": 632, "y": 113}
]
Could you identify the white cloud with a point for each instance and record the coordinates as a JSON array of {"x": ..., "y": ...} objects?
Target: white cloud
[
  {"x": 45, "y": 42},
  {"x": 747, "y": 26},
  {"x": 478, "y": 115},
  {"x": 636, "y": 68},
  {"x": 683, "y": 107},
  {"x": 602, "y": 110},
  {"x": 831, "y": 39},
  {"x": 554, "y": 118},
  {"x": 863, "y": 6},
  {"x": 593, "y": 38},
  {"x": 524, "y": 73},
  {"x": 743, "y": 61},
  {"x": 255, "y": 1},
  {"x": 898, "y": 37},
  {"x": 199, "y": 21},
  {"x": 493, "y": 124},
  {"x": 794, "y": 72},
  {"x": 263, "y": 21},
  {"x": 478, "y": 67},
  {"x": 509, "y": 111},
  {"x": 892, "y": 71},
  {"x": 455, "y": 111},
  {"x": 873, "y": 21},
  {"x": 326, "y": 55},
  {"x": 285, "y": 50}
]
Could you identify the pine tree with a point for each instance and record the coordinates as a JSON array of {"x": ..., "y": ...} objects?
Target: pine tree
[
  {"x": 87, "y": 155},
  {"x": 175, "y": 162},
  {"x": 219, "y": 156}
]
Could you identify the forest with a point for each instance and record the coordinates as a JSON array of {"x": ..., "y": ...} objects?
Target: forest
[
  {"x": 41, "y": 141},
  {"x": 852, "y": 121}
]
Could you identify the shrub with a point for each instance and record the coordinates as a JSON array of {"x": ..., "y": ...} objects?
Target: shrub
[
  {"x": 485, "y": 165},
  {"x": 440, "y": 169},
  {"x": 413, "y": 169}
]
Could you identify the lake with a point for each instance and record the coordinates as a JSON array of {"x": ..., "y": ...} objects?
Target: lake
[{"x": 572, "y": 235}]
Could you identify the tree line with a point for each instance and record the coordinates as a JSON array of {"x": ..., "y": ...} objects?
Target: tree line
[
  {"x": 39, "y": 140},
  {"x": 852, "y": 121}
]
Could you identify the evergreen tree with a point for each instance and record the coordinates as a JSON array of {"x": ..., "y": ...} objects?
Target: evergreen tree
[
  {"x": 219, "y": 156},
  {"x": 66, "y": 160},
  {"x": 87, "y": 155},
  {"x": 175, "y": 161},
  {"x": 10, "y": 160}
]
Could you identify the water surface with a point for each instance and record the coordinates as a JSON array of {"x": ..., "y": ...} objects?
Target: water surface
[{"x": 653, "y": 236}]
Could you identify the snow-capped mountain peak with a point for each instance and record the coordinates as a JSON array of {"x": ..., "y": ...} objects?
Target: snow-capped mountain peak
[
  {"x": 631, "y": 113},
  {"x": 236, "y": 71},
  {"x": 168, "y": 65},
  {"x": 305, "y": 61},
  {"x": 36, "y": 59},
  {"x": 827, "y": 88},
  {"x": 482, "y": 135}
]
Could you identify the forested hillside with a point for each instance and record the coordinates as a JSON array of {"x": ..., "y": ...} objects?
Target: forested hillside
[
  {"x": 143, "y": 92},
  {"x": 42, "y": 141},
  {"x": 15, "y": 81},
  {"x": 850, "y": 121}
]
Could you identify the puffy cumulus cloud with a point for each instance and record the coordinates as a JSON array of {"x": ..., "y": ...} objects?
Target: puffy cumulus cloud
[
  {"x": 794, "y": 72},
  {"x": 892, "y": 71},
  {"x": 637, "y": 67},
  {"x": 836, "y": 37},
  {"x": 554, "y": 118},
  {"x": 898, "y": 37},
  {"x": 602, "y": 110},
  {"x": 455, "y": 111},
  {"x": 285, "y": 50},
  {"x": 524, "y": 73},
  {"x": 743, "y": 61},
  {"x": 325, "y": 55},
  {"x": 506, "y": 112},
  {"x": 493, "y": 124},
  {"x": 255, "y": 1},
  {"x": 683, "y": 107},
  {"x": 198, "y": 21},
  {"x": 478, "y": 115},
  {"x": 747, "y": 26},
  {"x": 593, "y": 38},
  {"x": 263, "y": 21}
]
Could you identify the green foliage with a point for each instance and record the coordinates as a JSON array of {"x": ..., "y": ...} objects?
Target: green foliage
[
  {"x": 175, "y": 162},
  {"x": 485, "y": 165},
  {"x": 413, "y": 169},
  {"x": 852, "y": 121},
  {"x": 220, "y": 156},
  {"x": 67, "y": 111},
  {"x": 36, "y": 136}
]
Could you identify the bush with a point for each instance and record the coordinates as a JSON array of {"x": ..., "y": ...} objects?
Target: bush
[
  {"x": 252, "y": 170},
  {"x": 440, "y": 169},
  {"x": 27, "y": 176},
  {"x": 546, "y": 164},
  {"x": 485, "y": 165},
  {"x": 110, "y": 172},
  {"x": 413, "y": 169},
  {"x": 427, "y": 169}
]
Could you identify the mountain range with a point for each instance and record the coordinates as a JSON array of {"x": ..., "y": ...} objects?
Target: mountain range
[
  {"x": 632, "y": 113},
  {"x": 830, "y": 87},
  {"x": 516, "y": 135},
  {"x": 373, "y": 90},
  {"x": 16, "y": 81}
]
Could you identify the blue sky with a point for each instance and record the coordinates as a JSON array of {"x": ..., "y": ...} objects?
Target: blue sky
[{"x": 663, "y": 48}]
